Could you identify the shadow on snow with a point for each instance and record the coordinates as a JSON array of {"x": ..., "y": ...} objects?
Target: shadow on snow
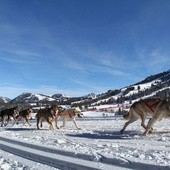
[{"x": 106, "y": 135}]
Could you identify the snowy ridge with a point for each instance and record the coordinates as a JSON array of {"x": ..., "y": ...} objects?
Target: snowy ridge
[
  {"x": 31, "y": 98},
  {"x": 132, "y": 92},
  {"x": 4, "y": 99}
]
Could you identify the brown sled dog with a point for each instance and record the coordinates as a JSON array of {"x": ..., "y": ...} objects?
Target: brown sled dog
[
  {"x": 68, "y": 114},
  {"x": 142, "y": 109},
  {"x": 25, "y": 115},
  {"x": 48, "y": 115},
  {"x": 162, "y": 111}
]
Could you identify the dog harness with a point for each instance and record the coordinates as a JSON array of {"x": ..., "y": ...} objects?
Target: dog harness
[
  {"x": 65, "y": 112},
  {"x": 151, "y": 106}
]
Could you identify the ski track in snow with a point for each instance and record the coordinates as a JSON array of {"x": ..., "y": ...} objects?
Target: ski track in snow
[{"x": 99, "y": 145}]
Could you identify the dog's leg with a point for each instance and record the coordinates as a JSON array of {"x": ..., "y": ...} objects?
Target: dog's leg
[
  {"x": 151, "y": 122},
  {"x": 133, "y": 119},
  {"x": 64, "y": 123},
  {"x": 76, "y": 124},
  {"x": 7, "y": 121},
  {"x": 2, "y": 121},
  {"x": 56, "y": 121},
  {"x": 51, "y": 125},
  {"x": 15, "y": 120},
  {"x": 149, "y": 126},
  {"x": 143, "y": 118},
  {"x": 38, "y": 122},
  {"x": 26, "y": 121},
  {"x": 50, "y": 122}
]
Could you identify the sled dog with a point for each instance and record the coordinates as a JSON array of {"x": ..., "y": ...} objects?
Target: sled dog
[
  {"x": 68, "y": 114},
  {"x": 7, "y": 113},
  {"x": 48, "y": 115},
  {"x": 162, "y": 111},
  {"x": 25, "y": 115},
  {"x": 142, "y": 109}
]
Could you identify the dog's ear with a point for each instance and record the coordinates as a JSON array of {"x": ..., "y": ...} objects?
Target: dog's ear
[{"x": 78, "y": 109}]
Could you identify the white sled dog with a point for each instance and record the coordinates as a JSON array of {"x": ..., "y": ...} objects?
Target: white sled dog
[
  {"x": 163, "y": 111},
  {"x": 68, "y": 114},
  {"x": 142, "y": 109}
]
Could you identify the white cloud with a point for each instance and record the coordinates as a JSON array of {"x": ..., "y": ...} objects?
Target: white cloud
[
  {"x": 158, "y": 58},
  {"x": 20, "y": 56},
  {"x": 71, "y": 63},
  {"x": 153, "y": 58}
]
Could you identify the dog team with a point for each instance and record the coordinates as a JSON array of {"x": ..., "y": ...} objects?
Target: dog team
[
  {"x": 157, "y": 109},
  {"x": 46, "y": 114}
]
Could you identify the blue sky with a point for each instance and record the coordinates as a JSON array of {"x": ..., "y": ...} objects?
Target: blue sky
[{"x": 77, "y": 47}]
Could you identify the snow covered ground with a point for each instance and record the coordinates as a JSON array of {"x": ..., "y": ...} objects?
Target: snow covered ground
[{"x": 99, "y": 145}]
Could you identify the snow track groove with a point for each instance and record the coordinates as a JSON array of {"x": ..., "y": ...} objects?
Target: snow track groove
[
  {"x": 50, "y": 157},
  {"x": 68, "y": 160}
]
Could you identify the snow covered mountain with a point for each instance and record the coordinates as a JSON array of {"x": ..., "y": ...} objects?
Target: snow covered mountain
[
  {"x": 64, "y": 96},
  {"x": 60, "y": 97},
  {"x": 157, "y": 85},
  {"x": 4, "y": 100},
  {"x": 32, "y": 98}
]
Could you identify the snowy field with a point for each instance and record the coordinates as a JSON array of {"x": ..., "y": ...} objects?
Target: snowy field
[{"x": 99, "y": 145}]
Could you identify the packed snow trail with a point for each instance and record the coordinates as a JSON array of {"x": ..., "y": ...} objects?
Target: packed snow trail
[
  {"x": 99, "y": 145},
  {"x": 67, "y": 160}
]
